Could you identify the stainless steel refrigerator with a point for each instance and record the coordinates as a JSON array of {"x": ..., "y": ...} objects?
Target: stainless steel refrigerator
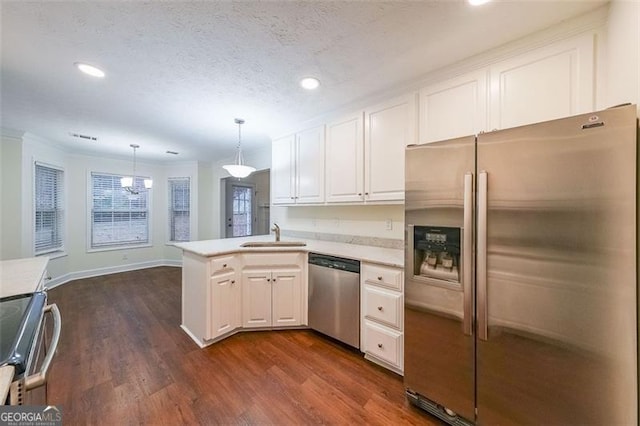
[{"x": 521, "y": 274}]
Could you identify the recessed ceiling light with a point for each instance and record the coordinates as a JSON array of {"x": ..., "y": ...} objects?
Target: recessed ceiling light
[
  {"x": 89, "y": 69},
  {"x": 310, "y": 83},
  {"x": 477, "y": 2}
]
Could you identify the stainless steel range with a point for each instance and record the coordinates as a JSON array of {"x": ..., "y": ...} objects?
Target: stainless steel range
[{"x": 23, "y": 344}]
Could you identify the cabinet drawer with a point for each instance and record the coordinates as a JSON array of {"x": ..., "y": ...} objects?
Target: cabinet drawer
[
  {"x": 383, "y": 343},
  {"x": 288, "y": 259},
  {"x": 382, "y": 275},
  {"x": 383, "y": 306},
  {"x": 222, "y": 264}
]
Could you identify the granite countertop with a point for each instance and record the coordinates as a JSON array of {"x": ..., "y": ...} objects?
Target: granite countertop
[
  {"x": 380, "y": 255},
  {"x": 21, "y": 276}
]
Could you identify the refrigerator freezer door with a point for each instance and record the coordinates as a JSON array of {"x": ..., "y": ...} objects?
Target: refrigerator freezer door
[
  {"x": 439, "y": 345},
  {"x": 560, "y": 273}
]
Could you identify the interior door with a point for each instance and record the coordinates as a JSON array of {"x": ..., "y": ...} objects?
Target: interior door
[
  {"x": 556, "y": 296},
  {"x": 439, "y": 342}
]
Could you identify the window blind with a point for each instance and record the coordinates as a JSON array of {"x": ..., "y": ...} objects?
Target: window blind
[
  {"x": 179, "y": 209},
  {"x": 48, "y": 209},
  {"x": 118, "y": 217}
]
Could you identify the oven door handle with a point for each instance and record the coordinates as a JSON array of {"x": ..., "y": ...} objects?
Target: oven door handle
[{"x": 40, "y": 378}]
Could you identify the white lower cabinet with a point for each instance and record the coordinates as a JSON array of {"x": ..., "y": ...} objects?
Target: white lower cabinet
[
  {"x": 272, "y": 290},
  {"x": 383, "y": 306},
  {"x": 271, "y": 298},
  {"x": 225, "y": 303},
  {"x": 383, "y": 343},
  {"x": 224, "y": 294},
  {"x": 382, "y": 311}
]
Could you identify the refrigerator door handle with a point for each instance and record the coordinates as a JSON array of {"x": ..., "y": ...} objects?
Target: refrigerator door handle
[
  {"x": 467, "y": 255},
  {"x": 409, "y": 267},
  {"x": 481, "y": 266}
]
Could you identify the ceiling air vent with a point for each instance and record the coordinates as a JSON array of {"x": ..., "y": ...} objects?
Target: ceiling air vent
[{"x": 81, "y": 136}]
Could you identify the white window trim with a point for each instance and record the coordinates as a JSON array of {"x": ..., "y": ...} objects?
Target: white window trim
[
  {"x": 89, "y": 208},
  {"x": 57, "y": 252},
  {"x": 168, "y": 239}
]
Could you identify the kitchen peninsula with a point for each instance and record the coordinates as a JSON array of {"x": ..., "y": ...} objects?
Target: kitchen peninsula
[{"x": 228, "y": 287}]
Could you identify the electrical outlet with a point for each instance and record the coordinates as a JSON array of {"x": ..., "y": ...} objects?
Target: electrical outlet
[
  {"x": 336, "y": 222},
  {"x": 125, "y": 257},
  {"x": 389, "y": 224}
]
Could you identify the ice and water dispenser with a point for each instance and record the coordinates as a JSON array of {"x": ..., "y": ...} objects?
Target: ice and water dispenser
[{"x": 437, "y": 252}]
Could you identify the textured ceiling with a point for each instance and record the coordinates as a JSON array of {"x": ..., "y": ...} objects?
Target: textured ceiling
[{"x": 179, "y": 72}]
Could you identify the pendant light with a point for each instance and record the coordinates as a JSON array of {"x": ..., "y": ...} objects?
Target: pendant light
[
  {"x": 128, "y": 182},
  {"x": 239, "y": 169}
]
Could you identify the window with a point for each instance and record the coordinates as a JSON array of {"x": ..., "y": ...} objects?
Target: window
[
  {"x": 179, "y": 209},
  {"x": 118, "y": 218},
  {"x": 48, "y": 209}
]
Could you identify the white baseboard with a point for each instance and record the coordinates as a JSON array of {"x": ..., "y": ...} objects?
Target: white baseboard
[
  {"x": 71, "y": 276},
  {"x": 193, "y": 337}
]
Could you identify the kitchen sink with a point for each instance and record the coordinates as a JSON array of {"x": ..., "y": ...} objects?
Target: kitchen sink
[{"x": 274, "y": 244}]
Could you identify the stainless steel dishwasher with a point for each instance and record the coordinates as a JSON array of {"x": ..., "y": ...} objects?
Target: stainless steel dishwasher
[{"x": 334, "y": 297}]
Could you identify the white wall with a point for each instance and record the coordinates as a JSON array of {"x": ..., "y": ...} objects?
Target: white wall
[
  {"x": 18, "y": 157},
  {"x": 206, "y": 225},
  {"x": 10, "y": 196},
  {"x": 367, "y": 221}
]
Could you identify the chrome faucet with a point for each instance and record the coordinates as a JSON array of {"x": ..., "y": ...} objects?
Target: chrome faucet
[{"x": 276, "y": 229}]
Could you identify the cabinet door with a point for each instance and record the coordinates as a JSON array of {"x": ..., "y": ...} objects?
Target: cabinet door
[
  {"x": 345, "y": 160},
  {"x": 225, "y": 303},
  {"x": 383, "y": 343},
  {"x": 256, "y": 299},
  {"x": 383, "y": 306},
  {"x": 283, "y": 170},
  {"x": 551, "y": 82},
  {"x": 454, "y": 108},
  {"x": 310, "y": 166},
  {"x": 287, "y": 298},
  {"x": 389, "y": 128}
]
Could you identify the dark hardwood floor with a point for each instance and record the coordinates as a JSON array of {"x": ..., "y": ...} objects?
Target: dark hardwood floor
[{"x": 123, "y": 359}]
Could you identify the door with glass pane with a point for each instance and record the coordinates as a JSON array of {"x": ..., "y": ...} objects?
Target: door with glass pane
[{"x": 240, "y": 209}]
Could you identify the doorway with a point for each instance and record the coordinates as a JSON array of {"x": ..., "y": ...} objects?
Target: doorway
[{"x": 247, "y": 205}]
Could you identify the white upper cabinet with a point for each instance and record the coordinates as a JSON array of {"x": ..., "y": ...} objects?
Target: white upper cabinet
[
  {"x": 310, "y": 166},
  {"x": 297, "y": 168},
  {"x": 388, "y": 128},
  {"x": 551, "y": 82},
  {"x": 454, "y": 108},
  {"x": 345, "y": 159},
  {"x": 283, "y": 170}
]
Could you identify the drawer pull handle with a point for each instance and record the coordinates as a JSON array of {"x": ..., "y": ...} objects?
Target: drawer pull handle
[
  {"x": 380, "y": 345},
  {"x": 380, "y": 308},
  {"x": 224, "y": 265},
  {"x": 233, "y": 281},
  {"x": 379, "y": 278},
  {"x": 268, "y": 279}
]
